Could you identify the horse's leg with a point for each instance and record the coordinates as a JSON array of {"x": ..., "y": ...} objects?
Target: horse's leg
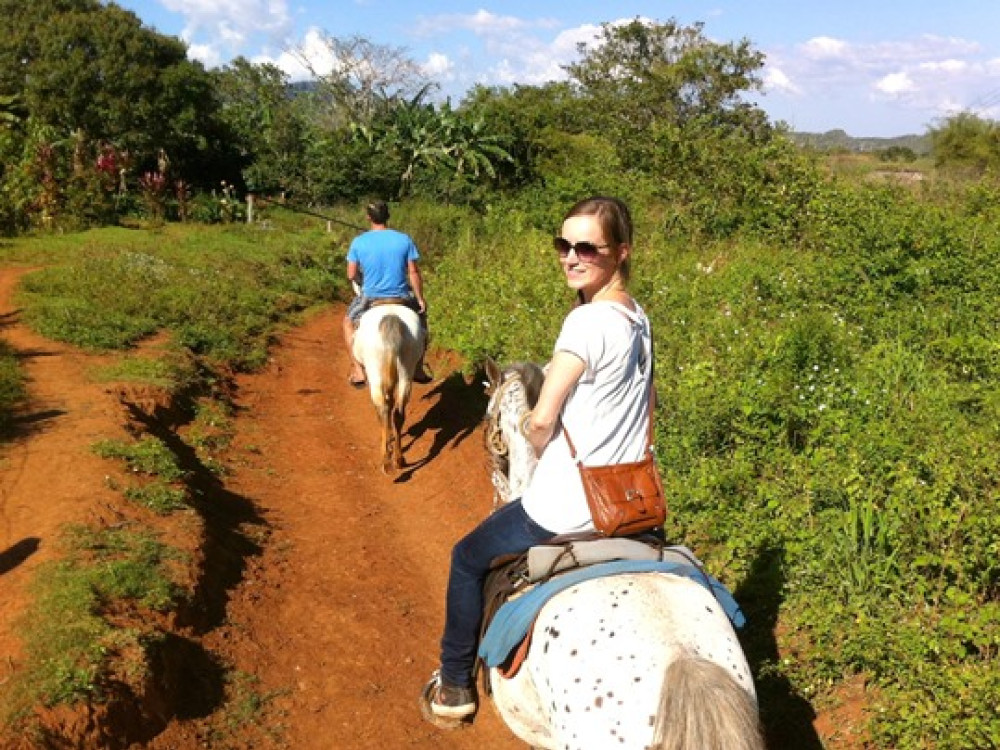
[
  {"x": 398, "y": 417},
  {"x": 388, "y": 462}
]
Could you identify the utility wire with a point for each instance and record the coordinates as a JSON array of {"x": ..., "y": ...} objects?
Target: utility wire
[{"x": 307, "y": 211}]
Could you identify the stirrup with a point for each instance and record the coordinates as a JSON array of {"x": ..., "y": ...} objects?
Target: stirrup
[{"x": 427, "y": 696}]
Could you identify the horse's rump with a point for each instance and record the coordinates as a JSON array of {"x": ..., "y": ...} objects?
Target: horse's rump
[{"x": 599, "y": 655}]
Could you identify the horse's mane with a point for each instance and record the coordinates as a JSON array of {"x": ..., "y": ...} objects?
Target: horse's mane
[{"x": 531, "y": 375}]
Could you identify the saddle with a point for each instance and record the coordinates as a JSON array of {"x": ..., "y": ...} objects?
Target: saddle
[
  {"x": 405, "y": 301},
  {"x": 512, "y": 575}
]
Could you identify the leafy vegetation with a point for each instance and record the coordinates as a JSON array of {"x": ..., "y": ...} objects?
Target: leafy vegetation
[
  {"x": 73, "y": 646},
  {"x": 828, "y": 405},
  {"x": 220, "y": 292},
  {"x": 11, "y": 385}
]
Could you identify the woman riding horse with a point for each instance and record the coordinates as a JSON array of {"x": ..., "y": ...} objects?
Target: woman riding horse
[{"x": 597, "y": 385}]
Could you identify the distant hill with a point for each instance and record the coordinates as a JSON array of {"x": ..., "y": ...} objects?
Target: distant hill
[{"x": 839, "y": 140}]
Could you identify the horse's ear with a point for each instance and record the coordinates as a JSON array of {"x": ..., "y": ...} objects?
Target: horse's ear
[{"x": 493, "y": 373}]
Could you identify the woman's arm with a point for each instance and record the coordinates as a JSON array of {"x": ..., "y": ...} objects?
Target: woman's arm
[{"x": 562, "y": 374}]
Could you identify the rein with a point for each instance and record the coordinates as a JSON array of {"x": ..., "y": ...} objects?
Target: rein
[{"x": 496, "y": 443}]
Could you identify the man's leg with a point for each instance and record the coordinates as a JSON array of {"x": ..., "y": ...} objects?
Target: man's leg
[
  {"x": 420, "y": 374},
  {"x": 357, "y": 376}
]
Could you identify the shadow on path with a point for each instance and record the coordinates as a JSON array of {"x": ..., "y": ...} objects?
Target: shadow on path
[
  {"x": 17, "y": 553},
  {"x": 455, "y": 415},
  {"x": 786, "y": 716}
]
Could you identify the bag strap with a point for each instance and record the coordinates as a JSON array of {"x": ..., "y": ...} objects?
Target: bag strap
[{"x": 652, "y": 404}]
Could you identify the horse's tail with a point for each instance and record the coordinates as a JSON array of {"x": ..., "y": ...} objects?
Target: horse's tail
[
  {"x": 702, "y": 706},
  {"x": 393, "y": 333}
]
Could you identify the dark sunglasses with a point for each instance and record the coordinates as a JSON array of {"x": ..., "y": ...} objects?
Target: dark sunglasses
[{"x": 585, "y": 251}]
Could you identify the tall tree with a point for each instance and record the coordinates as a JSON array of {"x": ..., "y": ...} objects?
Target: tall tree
[
  {"x": 364, "y": 79},
  {"x": 83, "y": 66},
  {"x": 268, "y": 125},
  {"x": 966, "y": 141},
  {"x": 642, "y": 76}
]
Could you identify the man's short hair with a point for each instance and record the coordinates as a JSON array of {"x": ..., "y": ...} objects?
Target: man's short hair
[{"x": 378, "y": 212}]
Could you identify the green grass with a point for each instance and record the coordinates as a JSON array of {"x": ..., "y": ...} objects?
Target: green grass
[
  {"x": 168, "y": 370},
  {"x": 148, "y": 455},
  {"x": 829, "y": 402},
  {"x": 832, "y": 403},
  {"x": 221, "y": 292},
  {"x": 12, "y": 390},
  {"x": 71, "y": 645},
  {"x": 158, "y": 496}
]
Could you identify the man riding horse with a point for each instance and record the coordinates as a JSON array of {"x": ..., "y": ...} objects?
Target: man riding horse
[{"x": 382, "y": 266}]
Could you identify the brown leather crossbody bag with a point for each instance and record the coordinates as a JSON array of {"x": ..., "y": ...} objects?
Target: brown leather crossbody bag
[{"x": 625, "y": 498}]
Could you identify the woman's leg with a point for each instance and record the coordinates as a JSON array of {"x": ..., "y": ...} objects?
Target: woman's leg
[{"x": 508, "y": 531}]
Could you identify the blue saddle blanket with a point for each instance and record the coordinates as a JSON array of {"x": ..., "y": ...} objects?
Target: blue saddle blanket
[{"x": 511, "y": 623}]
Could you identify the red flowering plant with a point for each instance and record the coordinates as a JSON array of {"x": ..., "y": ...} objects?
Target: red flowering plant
[{"x": 153, "y": 187}]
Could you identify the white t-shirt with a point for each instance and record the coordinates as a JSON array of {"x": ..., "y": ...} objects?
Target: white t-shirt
[{"x": 607, "y": 413}]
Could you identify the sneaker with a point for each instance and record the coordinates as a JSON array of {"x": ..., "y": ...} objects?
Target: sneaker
[{"x": 452, "y": 701}]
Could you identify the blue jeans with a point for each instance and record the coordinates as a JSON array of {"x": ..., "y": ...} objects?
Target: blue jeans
[{"x": 508, "y": 531}]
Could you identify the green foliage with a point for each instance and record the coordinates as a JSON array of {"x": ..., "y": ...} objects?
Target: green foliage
[
  {"x": 70, "y": 643},
  {"x": 269, "y": 125},
  {"x": 96, "y": 69},
  {"x": 827, "y": 382},
  {"x": 968, "y": 142},
  {"x": 12, "y": 390},
  {"x": 645, "y": 76},
  {"x": 169, "y": 371},
  {"x": 149, "y": 456},
  {"x": 221, "y": 292},
  {"x": 158, "y": 496}
]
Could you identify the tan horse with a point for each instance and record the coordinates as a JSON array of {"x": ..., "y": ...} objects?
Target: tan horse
[{"x": 389, "y": 342}]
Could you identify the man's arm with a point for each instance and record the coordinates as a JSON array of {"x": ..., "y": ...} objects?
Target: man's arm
[
  {"x": 354, "y": 275},
  {"x": 416, "y": 284}
]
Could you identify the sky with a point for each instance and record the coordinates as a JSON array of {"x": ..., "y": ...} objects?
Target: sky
[{"x": 874, "y": 68}]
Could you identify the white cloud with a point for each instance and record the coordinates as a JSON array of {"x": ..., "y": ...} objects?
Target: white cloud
[
  {"x": 313, "y": 50},
  {"x": 945, "y": 66},
  {"x": 206, "y": 54},
  {"x": 438, "y": 66},
  {"x": 895, "y": 84},
  {"x": 926, "y": 76},
  {"x": 776, "y": 80},
  {"x": 481, "y": 23},
  {"x": 824, "y": 47},
  {"x": 220, "y": 29}
]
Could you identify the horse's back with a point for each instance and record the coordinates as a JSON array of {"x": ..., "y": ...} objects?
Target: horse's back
[
  {"x": 598, "y": 656},
  {"x": 371, "y": 321},
  {"x": 373, "y": 342}
]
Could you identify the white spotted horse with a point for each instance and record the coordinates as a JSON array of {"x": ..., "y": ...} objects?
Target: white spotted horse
[
  {"x": 643, "y": 658},
  {"x": 389, "y": 343}
]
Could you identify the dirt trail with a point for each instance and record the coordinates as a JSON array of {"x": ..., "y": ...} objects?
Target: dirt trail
[
  {"x": 341, "y": 613},
  {"x": 331, "y": 598}
]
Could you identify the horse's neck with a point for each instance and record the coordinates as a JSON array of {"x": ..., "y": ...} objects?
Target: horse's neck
[{"x": 521, "y": 456}]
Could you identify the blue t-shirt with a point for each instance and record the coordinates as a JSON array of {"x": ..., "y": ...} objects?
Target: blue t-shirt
[{"x": 383, "y": 255}]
